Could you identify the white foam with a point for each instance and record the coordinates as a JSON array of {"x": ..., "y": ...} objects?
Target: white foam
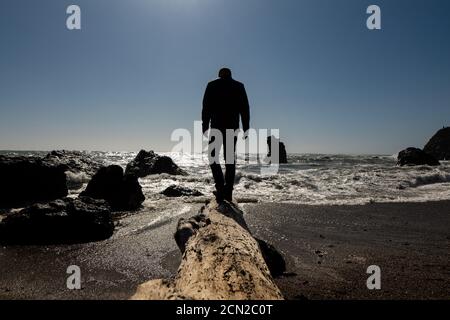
[
  {"x": 76, "y": 180},
  {"x": 308, "y": 179},
  {"x": 165, "y": 216}
]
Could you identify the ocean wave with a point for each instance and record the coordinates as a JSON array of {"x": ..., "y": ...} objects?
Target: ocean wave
[
  {"x": 307, "y": 179},
  {"x": 76, "y": 180},
  {"x": 439, "y": 177}
]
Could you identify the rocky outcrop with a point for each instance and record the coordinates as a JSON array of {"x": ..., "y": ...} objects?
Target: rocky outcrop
[
  {"x": 281, "y": 150},
  {"x": 439, "y": 145},
  {"x": 147, "y": 163},
  {"x": 414, "y": 157},
  {"x": 59, "y": 222},
  {"x": 26, "y": 180},
  {"x": 123, "y": 192},
  {"x": 74, "y": 161},
  {"x": 179, "y": 191},
  {"x": 79, "y": 166},
  {"x": 221, "y": 261}
]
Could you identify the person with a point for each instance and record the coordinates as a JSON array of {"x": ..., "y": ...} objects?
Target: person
[{"x": 224, "y": 102}]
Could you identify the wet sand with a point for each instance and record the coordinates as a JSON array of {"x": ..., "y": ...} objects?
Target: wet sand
[{"x": 327, "y": 248}]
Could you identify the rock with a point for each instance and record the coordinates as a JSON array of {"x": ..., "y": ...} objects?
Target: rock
[
  {"x": 123, "y": 192},
  {"x": 281, "y": 149},
  {"x": 26, "y": 180},
  {"x": 415, "y": 156},
  {"x": 273, "y": 258},
  {"x": 179, "y": 191},
  {"x": 79, "y": 166},
  {"x": 439, "y": 145},
  {"x": 62, "y": 221},
  {"x": 74, "y": 161},
  {"x": 221, "y": 261},
  {"x": 147, "y": 163}
]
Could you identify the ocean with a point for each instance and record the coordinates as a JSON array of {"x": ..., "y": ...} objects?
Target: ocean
[{"x": 307, "y": 179}]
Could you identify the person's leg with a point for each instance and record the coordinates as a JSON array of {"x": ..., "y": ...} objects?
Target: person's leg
[
  {"x": 218, "y": 181},
  {"x": 230, "y": 173},
  {"x": 230, "y": 169},
  {"x": 216, "y": 170}
]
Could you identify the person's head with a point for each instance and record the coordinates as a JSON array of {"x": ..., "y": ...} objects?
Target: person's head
[{"x": 225, "y": 73}]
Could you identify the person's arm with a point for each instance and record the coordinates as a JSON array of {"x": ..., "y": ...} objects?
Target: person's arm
[
  {"x": 245, "y": 110},
  {"x": 206, "y": 111}
]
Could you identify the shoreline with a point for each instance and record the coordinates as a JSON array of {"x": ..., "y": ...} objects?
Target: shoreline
[{"x": 327, "y": 249}]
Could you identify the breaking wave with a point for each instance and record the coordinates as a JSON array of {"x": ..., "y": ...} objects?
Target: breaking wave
[
  {"x": 319, "y": 179},
  {"x": 308, "y": 179},
  {"x": 430, "y": 179},
  {"x": 76, "y": 180}
]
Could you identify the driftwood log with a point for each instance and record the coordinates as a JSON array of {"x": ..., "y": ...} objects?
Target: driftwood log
[{"x": 221, "y": 261}]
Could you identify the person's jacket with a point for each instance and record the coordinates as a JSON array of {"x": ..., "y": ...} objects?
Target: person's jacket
[{"x": 224, "y": 101}]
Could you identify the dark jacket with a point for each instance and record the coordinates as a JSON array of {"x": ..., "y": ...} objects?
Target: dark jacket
[{"x": 224, "y": 101}]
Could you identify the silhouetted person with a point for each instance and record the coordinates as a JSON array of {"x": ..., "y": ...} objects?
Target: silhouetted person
[{"x": 225, "y": 100}]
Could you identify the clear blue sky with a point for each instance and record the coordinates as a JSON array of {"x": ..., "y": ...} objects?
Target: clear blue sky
[{"x": 138, "y": 69}]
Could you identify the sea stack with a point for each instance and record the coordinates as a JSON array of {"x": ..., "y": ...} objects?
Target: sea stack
[
  {"x": 281, "y": 150},
  {"x": 439, "y": 144}
]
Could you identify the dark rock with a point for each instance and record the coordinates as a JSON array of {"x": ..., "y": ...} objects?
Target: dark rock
[
  {"x": 272, "y": 257},
  {"x": 179, "y": 191},
  {"x": 79, "y": 166},
  {"x": 59, "y": 222},
  {"x": 123, "y": 192},
  {"x": 439, "y": 145},
  {"x": 281, "y": 150},
  {"x": 147, "y": 163},
  {"x": 26, "y": 180},
  {"x": 74, "y": 161},
  {"x": 415, "y": 156}
]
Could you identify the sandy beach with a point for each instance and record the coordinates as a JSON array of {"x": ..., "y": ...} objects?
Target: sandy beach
[
  {"x": 327, "y": 250},
  {"x": 228, "y": 150}
]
